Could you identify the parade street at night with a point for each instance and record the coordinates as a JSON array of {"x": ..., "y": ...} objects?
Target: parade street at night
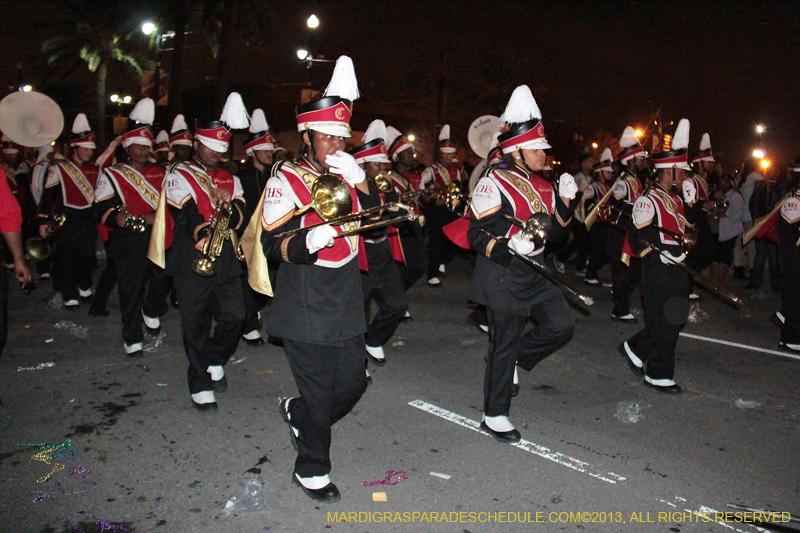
[{"x": 597, "y": 445}]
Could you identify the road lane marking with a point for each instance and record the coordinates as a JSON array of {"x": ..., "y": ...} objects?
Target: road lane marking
[
  {"x": 743, "y": 346},
  {"x": 536, "y": 449}
]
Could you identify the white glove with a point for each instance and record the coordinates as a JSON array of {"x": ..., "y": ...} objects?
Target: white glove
[
  {"x": 689, "y": 191},
  {"x": 319, "y": 238},
  {"x": 345, "y": 165},
  {"x": 674, "y": 258},
  {"x": 566, "y": 186},
  {"x": 521, "y": 244}
]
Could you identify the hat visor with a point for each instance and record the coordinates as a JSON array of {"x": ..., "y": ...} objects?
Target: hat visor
[
  {"x": 91, "y": 145},
  {"x": 374, "y": 159},
  {"x": 144, "y": 141},
  {"x": 213, "y": 145},
  {"x": 535, "y": 145}
]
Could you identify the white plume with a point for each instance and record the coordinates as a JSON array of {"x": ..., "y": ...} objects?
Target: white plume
[
  {"x": 162, "y": 137},
  {"x": 705, "y": 142},
  {"x": 81, "y": 124},
  {"x": 343, "y": 81},
  {"x": 521, "y": 107},
  {"x": 680, "y": 141},
  {"x": 375, "y": 130},
  {"x": 258, "y": 122},
  {"x": 234, "y": 114},
  {"x": 144, "y": 112},
  {"x": 178, "y": 124},
  {"x": 628, "y": 138},
  {"x": 445, "y": 133},
  {"x": 391, "y": 135},
  {"x": 606, "y": 155}
]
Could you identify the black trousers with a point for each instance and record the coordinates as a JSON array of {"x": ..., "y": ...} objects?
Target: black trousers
[
  {"x": 383, "y": 284},
  {"x": 254, "y": 302},
  {"x": 413, "y": 242},
  {"x": 596, "y": 245},
  {"x": 576, "y": 244},
  {"x": 142, "y": 285},
  {"x": 108, "y": 278},
  {"x": 331, "y": 380},
  {"x": 665, "y": 295},
  {"x": 3, "y": 311},
  {"x": 203, "y": 299},
  {"x": 790, "y": 300},
  {"x": 508, "y": 346},
  {"x": 440, "y": 249},
  {"x": 74, "y": 259},
  {"x": 625, "y": 278}
]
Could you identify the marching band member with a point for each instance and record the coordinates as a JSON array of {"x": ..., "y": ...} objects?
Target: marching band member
[
  {"x": 318, "y": 306},
  {"x": 441, "y": 173},
  {"x": 259, "y": 148},
  {"x": 702, "y": 256},
  {"x": 161, "y": 149},
  {"x": 405, "y": 164},
  {"x": 69, "y": 191},
  {"x": 512, "y": 290},
  {"x": 627, "y": 188},
  {"x": 665, "y": 287},
  {"x": 382, "y": 247},
  {"x": 789, "y": 260},
  {"x": 598, "y": 234},
  {"x": 180, "y": 140},
  {"x": 126, "y": 190},
  {"x": 195, "y": 191}
]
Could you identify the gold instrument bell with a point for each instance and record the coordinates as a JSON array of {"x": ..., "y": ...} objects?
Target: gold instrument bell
[{"x": 41, "y": 249}]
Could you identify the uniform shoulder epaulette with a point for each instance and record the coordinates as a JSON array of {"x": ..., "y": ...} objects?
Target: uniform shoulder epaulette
[{"x": 174, "y": 166}]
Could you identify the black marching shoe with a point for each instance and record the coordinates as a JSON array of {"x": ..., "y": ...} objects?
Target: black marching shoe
[
  {"x": 254, "y": 342},
  {"x": 220, "y": 385},
  {"x": 635, "y": 369},
  {"x": 329, "y": 493},
  {"x": 671, "y": 389},
  {"x": 283, "y": 404},
  {"x": 506, "y": 437},
  {"x": 206, "y": 407}
]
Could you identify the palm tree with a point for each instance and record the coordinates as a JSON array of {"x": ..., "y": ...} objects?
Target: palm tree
[{"x": 101, "y": 32}]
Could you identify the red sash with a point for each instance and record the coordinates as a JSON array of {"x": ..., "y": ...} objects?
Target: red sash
[
  {"x": 139, "y": 189},
  {"x": 78, "y": 183},
  {"x": 526, "y": 195},
  {"x": 203, "y": 184}
]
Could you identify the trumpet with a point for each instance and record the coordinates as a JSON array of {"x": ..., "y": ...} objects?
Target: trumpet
[
  {"x": 135, "y": 223},
  {"x": 40, "y": 248},
  {"x": 720, "y": 208},
  {"x": 330, "y": 198},
  {"x": 383, "y": 183},
  {"x": 219, "y": 232}
]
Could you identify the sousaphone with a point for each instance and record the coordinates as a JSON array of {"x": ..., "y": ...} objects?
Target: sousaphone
[
  {"x": 30, "y": 119},
  {"x": 481, "y": 132}
]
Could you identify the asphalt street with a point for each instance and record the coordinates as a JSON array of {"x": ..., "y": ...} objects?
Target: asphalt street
[{"x": 600, "y": 453}]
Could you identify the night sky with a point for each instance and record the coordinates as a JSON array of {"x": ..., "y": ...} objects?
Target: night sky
[{"x": 726, "y": 66}]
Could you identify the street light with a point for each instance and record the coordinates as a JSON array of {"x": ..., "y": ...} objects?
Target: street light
[
  {"x": 758, "y": 153},
  {"x": 594, "y": 145},
  {"x": 302, "y": 54},
  {"x": 764, "y": 163},
  {"x": 312, "y": 22},
  {"x": 114, "y": 98},
  {"x": 148, "y": 28},
  {"x": 411, "y": 137},
  {"x": 638, "y": 133},
  {"x": 760, "y": 128}
]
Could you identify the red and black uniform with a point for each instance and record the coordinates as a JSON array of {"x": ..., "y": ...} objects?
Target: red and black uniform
[
  {"x": 190, "y": 194},
  {"x": 69, "y": 190},
  {"x": 317, "y": 309},
  {"x": 789, "y": 260},
  {"x": 124, "y": 187},
  {"x": 665, "y": 287},
  {"x": 413, "y": 265},
  {"x": 703, "y": 253},
  {"x": 625, "y": 277},
  {"x": 509, "y": 288},
  {"x": 440, "y": 249},
  {"x": 382, "y": 282}
]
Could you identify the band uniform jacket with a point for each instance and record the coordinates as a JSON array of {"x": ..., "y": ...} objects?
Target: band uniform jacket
[
  {"x": 502, "y": 281},
  {"x": 69, "y": 188},
  {"x": 318, "y": 297},
  {"x": 125, "y": 187},
  {"x": 189, "y": 192}
]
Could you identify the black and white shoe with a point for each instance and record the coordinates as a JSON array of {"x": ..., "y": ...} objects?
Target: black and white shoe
[
  {"x": 790, "y": 347},
  {"x": 134, "y": 350},
  {"x": 327, "y": 492},
  {"x": 592, "y": 281},
  {"x": 376, "y": 355},
  {"x": 778, "y": 319},
  {"x": 283, "y": 407},
  {"x": 634, "y": 363},
  {"x": 152, "y": 325},
  {"x": 253, "y": 338},
  {"x": 219, "y": 383},
  {"x": 666, "y": 386},
  {"x": 205, "y": 402},
  {"x": 625, "y": 319},
  {"x": 505, "y": 432}
]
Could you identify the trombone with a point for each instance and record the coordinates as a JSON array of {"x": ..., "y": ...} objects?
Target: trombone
[
  {"x": 590, "y": 218},
  {"x": 710, "y": 285},
  {"x": 538, "y": 227},
  {"x": 330, "y": 198},
  {"x": 40, "y": 248}
]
